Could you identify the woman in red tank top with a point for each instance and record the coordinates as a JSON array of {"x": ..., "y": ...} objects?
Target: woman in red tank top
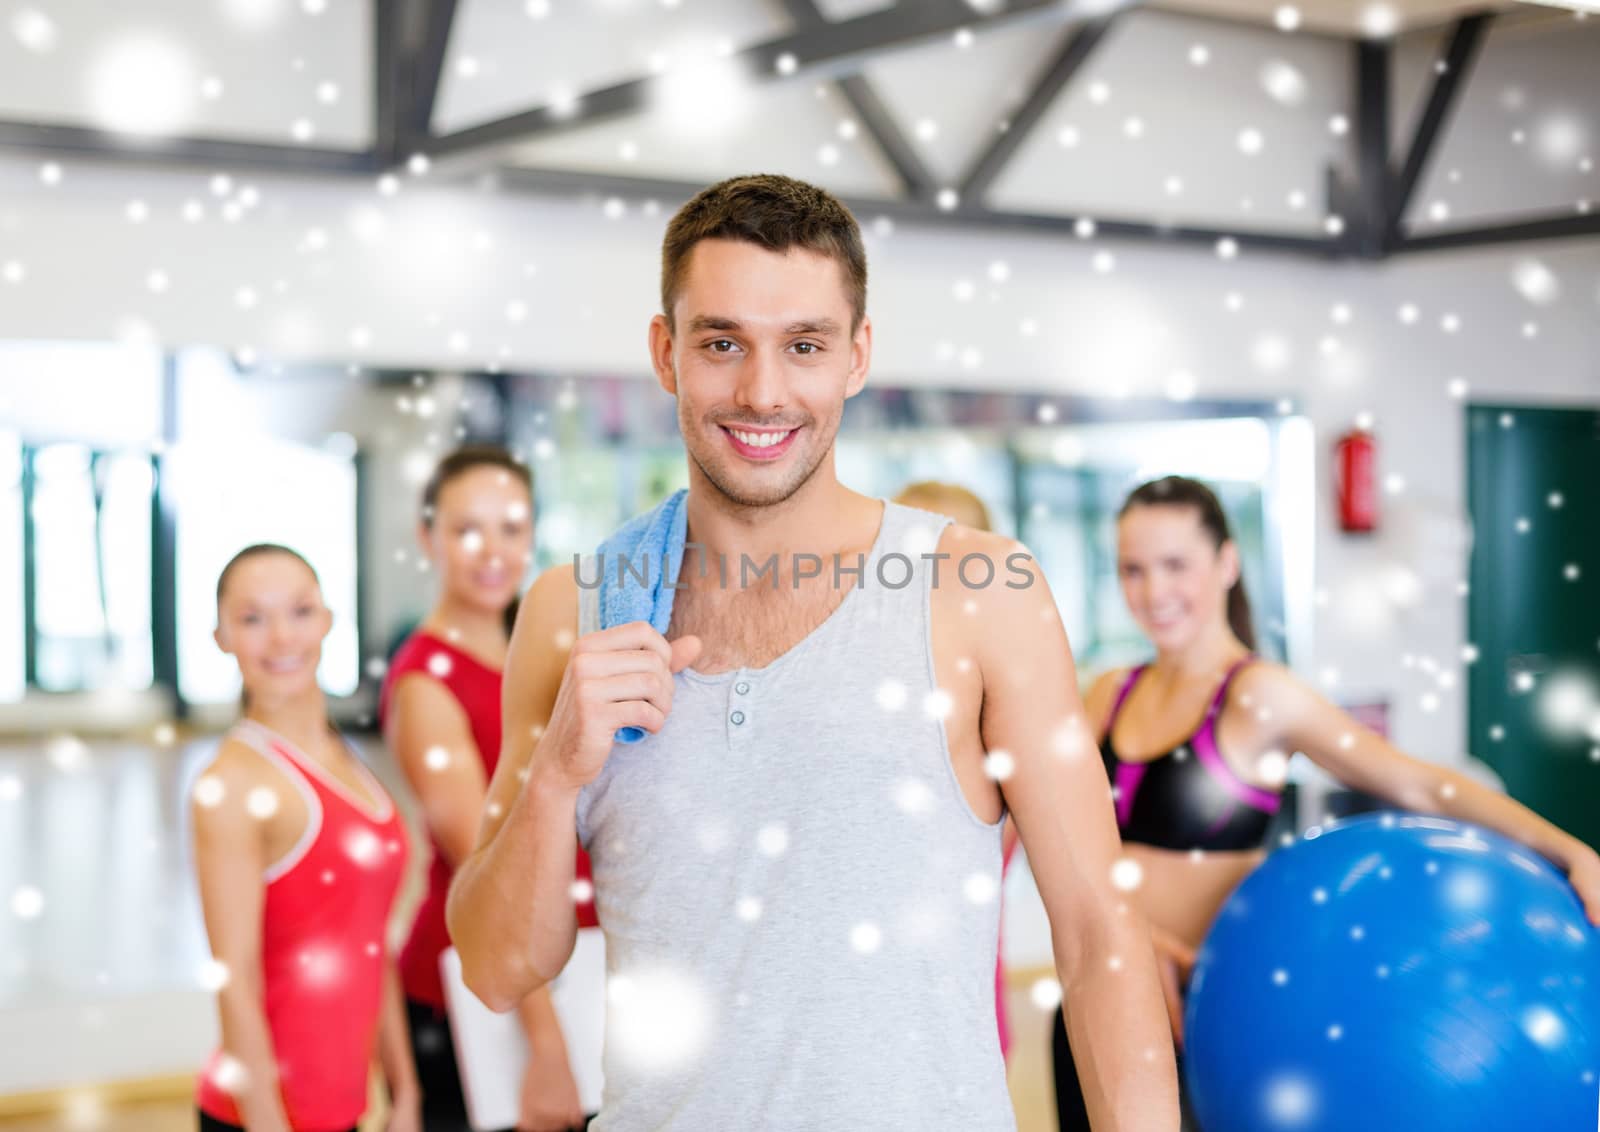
[
  {"x": 299, "y": 853},
  {"x": 440, "y": 709}
]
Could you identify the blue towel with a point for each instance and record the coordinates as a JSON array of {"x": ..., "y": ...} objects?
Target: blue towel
[{"x": 652, "y": 544}]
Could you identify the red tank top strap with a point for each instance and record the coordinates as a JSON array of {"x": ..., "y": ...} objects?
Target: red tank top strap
[
  {"x": 1128, "y": 682},
  {"x": 270, "y": 746},
  {"x": 377, "y": 807}
]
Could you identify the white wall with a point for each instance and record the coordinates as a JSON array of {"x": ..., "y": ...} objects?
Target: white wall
[
  {"x": 424, "y": 279},
  {"x": 432, "y": 287}
]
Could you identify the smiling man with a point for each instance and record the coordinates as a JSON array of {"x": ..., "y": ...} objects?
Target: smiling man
[{"x": 797, "y": 868}]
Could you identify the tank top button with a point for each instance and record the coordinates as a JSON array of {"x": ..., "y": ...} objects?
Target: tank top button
[
  {"x": 737, "y": 718},
  {"x": 741, "y": 687}
]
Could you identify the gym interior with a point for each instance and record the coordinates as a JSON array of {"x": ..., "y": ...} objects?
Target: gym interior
[{"x": 264, "y": 262}]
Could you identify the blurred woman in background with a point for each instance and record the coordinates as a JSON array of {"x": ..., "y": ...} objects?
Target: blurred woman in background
[
  {"x": 440, "y": 710},
  {"x": 1196, "y": 745},
  {"x": 299, "y": 853}
]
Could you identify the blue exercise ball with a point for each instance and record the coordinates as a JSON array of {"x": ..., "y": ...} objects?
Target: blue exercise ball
[{"x": 1397, "y": 972}]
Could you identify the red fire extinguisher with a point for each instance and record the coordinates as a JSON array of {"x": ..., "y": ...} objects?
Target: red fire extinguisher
[{"x": 1355, "y": 463}]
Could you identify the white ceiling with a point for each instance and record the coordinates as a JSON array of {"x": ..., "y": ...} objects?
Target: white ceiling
[
  {"x": 955, "y": 96},
  {"x": 1185, "y": 160},
  {"x": 1336, "y": 17},
  {"x": 503, "y": 60},
  {"x": 1526, "y": 132},
  {"x": 241, "y": 69},
  {"x": 791, "y": 128},
  {"x": 299, "y": 71}
]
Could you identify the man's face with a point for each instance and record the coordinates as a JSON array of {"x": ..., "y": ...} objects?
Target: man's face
[{"x": 761, "y": 359}]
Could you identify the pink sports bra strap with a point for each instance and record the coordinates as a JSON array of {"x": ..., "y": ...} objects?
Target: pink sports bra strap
[
  {"x": 1128, "y": 682},
  {"x": 1227, "y": 682}
]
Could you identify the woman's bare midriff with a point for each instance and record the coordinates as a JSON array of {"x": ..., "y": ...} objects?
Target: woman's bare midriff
[{"x": 1181, "y": 891}]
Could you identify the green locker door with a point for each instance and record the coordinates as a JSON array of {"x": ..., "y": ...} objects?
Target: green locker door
[{"x": 1533, "y": 609}]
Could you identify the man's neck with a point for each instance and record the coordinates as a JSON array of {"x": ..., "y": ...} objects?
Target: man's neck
[{"x": 822, "y": 519}]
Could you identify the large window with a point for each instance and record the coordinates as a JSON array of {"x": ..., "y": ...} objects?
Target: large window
[
  {"x": 1073, "y": 480},
  {"x": 262, "y": 490},
  {"x": 91, "y": 548}
]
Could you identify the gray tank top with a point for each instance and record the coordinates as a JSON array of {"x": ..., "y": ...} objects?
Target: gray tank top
[{"x": 801, "y": 910}]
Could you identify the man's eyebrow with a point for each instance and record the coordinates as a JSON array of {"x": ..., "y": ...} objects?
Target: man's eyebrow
[
  {"x": 819, "y": 326},
  {"x": 712, "y": 322},
  {"x": 822, "y": 326}
]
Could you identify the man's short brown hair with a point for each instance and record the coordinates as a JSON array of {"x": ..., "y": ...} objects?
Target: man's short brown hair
[{"x": 772, "y": 212}]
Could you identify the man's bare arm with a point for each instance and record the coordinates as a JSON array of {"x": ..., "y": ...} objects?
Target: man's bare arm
[
  {"x": 1060, "y": 801},
  {"x": 511, "y": 913},
  {"x": 511, "y": 910}
]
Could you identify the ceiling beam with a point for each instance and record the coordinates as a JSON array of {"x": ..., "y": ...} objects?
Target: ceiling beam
[
  {"x": 1576, "y": 226},
  {"x": 824, "y": 51},
  {"x": 438, "y": 21},
  {"x": 1076, "y": 47},
  {"x": 1368, "y": 230},
  {"x": 81, "y": 142},
  {"x": 966, "y": 217},
  {"x": 386, "y": 81},
  {"x": 916, "y": 181},
  {"x": 1465, "y": 43}
]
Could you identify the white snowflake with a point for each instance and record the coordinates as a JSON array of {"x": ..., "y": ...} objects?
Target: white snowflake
[
  {"x": 999, "y": 765},
  {"x": 214, "y": 975},
  {"x": 891, "y": 695},
  {"x": 773, "y": 839},
  {"x": 866, "y": 937},
  {"x": 1126, "y": 874},
  {"x": 980, "y": 888},
  {"x": 363, "y": 847},
  {"x": 27, "y": 902},
  {"x": 261, "y": 803}
]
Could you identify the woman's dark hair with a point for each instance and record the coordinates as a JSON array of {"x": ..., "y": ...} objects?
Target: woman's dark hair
[
  {"x": 257, "y": 550},
  {"x": 465, "y": 459},
  {"x": 1180, "y": 491}
]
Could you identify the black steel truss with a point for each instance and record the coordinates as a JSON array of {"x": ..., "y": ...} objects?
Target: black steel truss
[
  {"x": 1076, "y": 48},
  {"x": 916, "y": 181}
]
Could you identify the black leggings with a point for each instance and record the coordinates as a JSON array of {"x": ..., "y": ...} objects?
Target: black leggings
[
  {"x": 1071, "y": 1108},
  {"x": 444, "y": 1108},
  {"x": 209, "y": 1123}
]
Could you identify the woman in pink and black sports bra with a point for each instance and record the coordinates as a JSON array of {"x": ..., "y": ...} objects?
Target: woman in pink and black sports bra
[
  {"x": 299, "y": 853},
  {"x": 1196, "y": 745}
]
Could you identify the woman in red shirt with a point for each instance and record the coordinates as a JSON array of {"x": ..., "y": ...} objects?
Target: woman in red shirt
[
  {"x": 440, "y": 710},
  {"x": 299, "y": 853}
]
